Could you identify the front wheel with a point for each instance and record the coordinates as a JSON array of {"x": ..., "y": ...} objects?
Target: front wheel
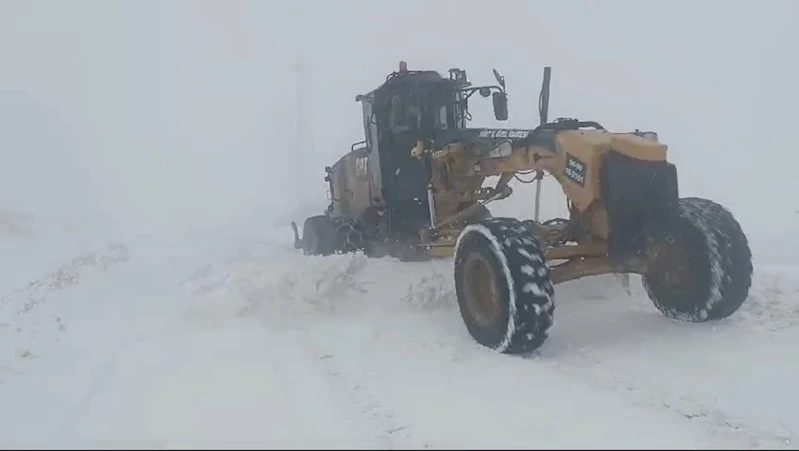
[
  {"x": 701, "y": 269},
  {"x": 503, "y": 286}
]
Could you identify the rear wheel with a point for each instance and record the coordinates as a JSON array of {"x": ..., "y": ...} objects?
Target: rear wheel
[
  {"x": 701, "y": 269},
  {"x": 503, "y": 286},
  {"x": 318, "y": 236},
  {"x": 349, "y": 235},
  {"x": 325, "y": 235}
]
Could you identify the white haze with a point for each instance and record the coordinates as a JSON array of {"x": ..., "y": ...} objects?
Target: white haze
[
  {"x": 151, "y": 296},
  {"x": 155, "y": 118}
]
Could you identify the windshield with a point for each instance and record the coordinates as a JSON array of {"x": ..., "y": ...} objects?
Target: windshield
[
  {"x": 423, "y": 110},
  {"x": 441, "y": 103}
]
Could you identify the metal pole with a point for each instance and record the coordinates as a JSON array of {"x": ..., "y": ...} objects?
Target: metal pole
[
  {"x": 543, "y": 110},
  {"x": 298, "y": 77}
]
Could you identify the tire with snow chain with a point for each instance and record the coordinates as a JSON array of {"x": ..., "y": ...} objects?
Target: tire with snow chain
[
  {"x": 701, "y": 270},
  {"x": 319, "y": 236},
  {"x": 503, "y": 286},
  {"x": 349, "y": 235}
]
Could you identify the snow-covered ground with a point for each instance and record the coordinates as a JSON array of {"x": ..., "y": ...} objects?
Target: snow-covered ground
[{"x": 243, "y": 342}]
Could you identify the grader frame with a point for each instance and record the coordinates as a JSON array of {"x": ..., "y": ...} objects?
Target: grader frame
[{"x": 416, "y": 187}]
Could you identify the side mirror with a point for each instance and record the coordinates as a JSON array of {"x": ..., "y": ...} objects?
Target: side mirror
[{"x": 500, "y": 100}]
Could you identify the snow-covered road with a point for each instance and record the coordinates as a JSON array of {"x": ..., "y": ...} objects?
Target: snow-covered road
[{"x": 250, "y": 344}]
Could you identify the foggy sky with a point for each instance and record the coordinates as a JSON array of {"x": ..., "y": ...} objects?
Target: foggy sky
[{"x": 160, "y": 117}]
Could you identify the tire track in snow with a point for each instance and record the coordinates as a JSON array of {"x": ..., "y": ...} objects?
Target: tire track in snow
[
  {"x": 323, "y": 313},
  {"x": 581, "y": 348},
  {"x": 605, "y": 376},
  {"x": 601, "y": 375},
  {"x": 95, "y": 420},
  {"x": 287, "y": 302},
  {"x": 581, "y": 363},
  {"x": 575, "y": 363},
  {"x": 391, "y": 433}
]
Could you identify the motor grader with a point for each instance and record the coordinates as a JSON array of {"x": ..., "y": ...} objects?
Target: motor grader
[{"x": 414, "y": 189}]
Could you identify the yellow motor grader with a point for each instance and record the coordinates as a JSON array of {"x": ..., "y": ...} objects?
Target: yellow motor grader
[{"x": 414, "y": 189}]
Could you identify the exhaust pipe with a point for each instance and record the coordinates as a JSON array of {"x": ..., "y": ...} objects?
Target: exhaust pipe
[{"x": 543, "y": 113}]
